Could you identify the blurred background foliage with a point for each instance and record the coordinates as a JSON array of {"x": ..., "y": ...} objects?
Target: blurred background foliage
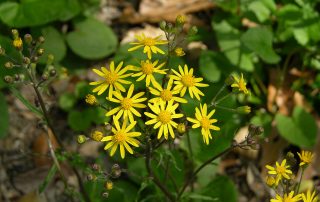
[{"x": 275, "y": 43}]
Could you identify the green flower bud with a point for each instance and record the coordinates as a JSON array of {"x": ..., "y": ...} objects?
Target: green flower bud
[
  {"x": 81, "y": 139},
  {"x": 15, "y": 33},
  {"x": 26, "y": 60},
  {"x": 193, "y": 30},
  {"x": 163, "y": 25},
  {"x": 40, "y": 51},
  {"x": 244, "y": 110},
  {"x": 2, "y": 51},
  {"x": 41, "y": 39},
  {"x": 8, "y": 65},
  {"x": 28, "y": 38},
  {"x": 50, "y": 59},
  {"x": 8, "y": 79}
]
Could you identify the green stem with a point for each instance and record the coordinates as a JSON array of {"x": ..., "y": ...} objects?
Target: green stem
[
  {"x": 218, "y": 93},
  {"x": 221, "y": 99},
  {"x": 297, "y": 191}
]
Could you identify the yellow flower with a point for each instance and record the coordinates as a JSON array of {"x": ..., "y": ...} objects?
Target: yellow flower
[
  {"x": 179, "y": 52},
  {"x": 150, "y": 45},
  {"x": 91, "y": 99},
  {"x": 181, "y": 128},
  {"x": 166, "y": 94},
  {"x": 97, "y": 136},
  {"x": 114, "y": 77},
  {"x": 185, "y": 80},
  {"x": 305, "y": 158},
  {"x": 310, "y": 197},
  {"x": 163, "y": 118},
  {"x": 280, "y": 170},
  {"x": 203, "y": 120},
  {"x": 127, "y": 104},
  {"x": 181, "y": 19},
  {"x": 121, "y": 137},
  {"x": 270, "y": 181},
  {"x": 17, "y": 43},
  {"x": 240, "y": 83},
  {"x": 147, "y": 69},
  {"x": 109, "y": 185},
  {"x": 287, "y": 198}
]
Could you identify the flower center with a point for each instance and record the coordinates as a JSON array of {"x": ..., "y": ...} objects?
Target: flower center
[
  {"x": 164, "y": 116},
  {"x": 281, "y": 169},
  {"x": 187, "y": 80},
  {"x": 126, "y": 103},
  {"x": 306, "y": 159},
  {"x": 166, "y": 95},
  {"x": 111, "y": 77},
  {"x": 147, "y": 68},
  {"x": 149, "y": 42},
  {"x": 242, "y": 85},
  {"x": 205, "y": 123},
  {"x": 119, "y": 136}
]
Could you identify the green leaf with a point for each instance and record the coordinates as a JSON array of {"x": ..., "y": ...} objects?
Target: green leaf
[
  {"x": 82, "y": 89},
  {"x": 48, "y": 178},
  {"x": 4, "y": 118},
  {"x": 54, "y": 44},
  {"x": 259, "y": 40},
  {"x": 26, "y": 103},
  {"x": 221, "y": 189},
  {"x": 230, "y": 44},
  {"x": 67, "y": 101},
  {"x": 209, "y": 66},
  {"x": 299, "y": 130},
  {"x": 289, "y": 13},
  {"x": 301, "y": 35},
  {"x": 260, "y": 10},
  {"x": 92, "y": 39},
  {"x": 78, "y": 121},
  {"x": 37, "y": 12}
]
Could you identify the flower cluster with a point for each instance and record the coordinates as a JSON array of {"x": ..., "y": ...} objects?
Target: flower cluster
[
  {"x": 282, "y": 174},
  {"x": 159, "y": 102}
]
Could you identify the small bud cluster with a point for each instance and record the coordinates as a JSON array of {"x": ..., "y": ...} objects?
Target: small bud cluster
[{"x": 28, "y": 61}]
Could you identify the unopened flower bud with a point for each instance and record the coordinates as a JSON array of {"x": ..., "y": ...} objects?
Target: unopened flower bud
[
  {"x": 179, "y": 52},
  {"x": 91, "y": 99},
  {"x": 105, "y": 194},
  {"x": 193, "y": 30},
  {"x": 8, "y": 65},
  {"x": 26, "y": 60},
  {"x": 41, "y": 39},
  {"x": 109, "y": 185},
  {"x": 97, "y": 136},
  {"x": 50, "y": 59},
  {"x": 8, "y": 79},
  {"x": 163, "y": 25},
  {"x": 2, "y": 51},
  {"x": 243, "y": 110},
  {"x": 40, "y": 51},
  {"x": 16, "y": 77},
  {"x": 181, "y": 128},
  {"x": 181, "y": 19},
  {"x": 17, "y": 43},
  {"x": 45, "y": 76},
  {"x": 52, "y": 72},
  {"x": 91, "y": 177},
  {"x": 28, "y": 38},
  {"x": 95, "y": 167},
  {"x": 81, "y": 139},
  {"x": 291, "y": 161},
  {"x": 15, "y": 33},
  {"x": 270, "y": 181},
  {"x": 115, "y": 171},
  {"x": 35, "y": 59}
]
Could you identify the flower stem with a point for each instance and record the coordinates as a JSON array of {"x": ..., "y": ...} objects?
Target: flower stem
[{"x": 297, "y": 191}]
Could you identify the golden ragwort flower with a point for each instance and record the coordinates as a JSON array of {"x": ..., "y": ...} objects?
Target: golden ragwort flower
[
  {"x": 203, "y": 120},
  {"x": 127, "y": 104},
  {"x": 17, "y": 43},
  {"x": 287, "y": 198},
  {"x": 280, "y": 170},
  {"x": 121, "y": 137},
  {"x": 305, "y": 157},
  {"x": 165, "y": 95},
  {"x": 150, "y": 45},
  {"x": 185, "y": 80},
  {"x": 112, "y": 78},
  {"x": 163, "y": 118},
  {"x": 91, "y": 99},
  {"x": 310, "y": 197},
  {"x": 97, "y": 135},
  {"x": 240, "y": 83},
  {"x": 147, "y": 69}
]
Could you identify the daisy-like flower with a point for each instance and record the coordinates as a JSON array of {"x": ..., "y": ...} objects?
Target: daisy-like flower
[
  {"x": 280, "y": 170},
  {"x": 185, "y": 80},
  {"x": 203, "y": 120},
  {"x": 305, "y": 158},
  {"x": 163, "y": 118},
  {"x": 150, "y": 45},
  {"x": 165, "y": 95},
  {"x": 121, "y": 137},
  {"x": 147, "y": 69},
  {"x": 240, "y": 83},
  {"x": 112, "y": 78},
  {"x": 287, "y": 198},
  {"x": 127, "y": 104},
  {"x": 310, "y": 197}
]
